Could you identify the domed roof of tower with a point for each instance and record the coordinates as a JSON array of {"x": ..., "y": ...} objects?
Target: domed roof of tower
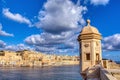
[{"x": 89, "y": 29}]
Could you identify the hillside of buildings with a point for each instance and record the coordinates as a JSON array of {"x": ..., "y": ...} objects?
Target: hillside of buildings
[{"x": 28, "y": 58}]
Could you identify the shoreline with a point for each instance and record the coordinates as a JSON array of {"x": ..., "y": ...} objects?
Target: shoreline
[{"x": 37, "y": 66}]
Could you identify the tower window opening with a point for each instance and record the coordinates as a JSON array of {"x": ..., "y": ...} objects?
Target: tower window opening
[
  {"x": 97, "y": 57},
  {"x": 2, "y": 54},
  {"x": 88, "y": 56}
]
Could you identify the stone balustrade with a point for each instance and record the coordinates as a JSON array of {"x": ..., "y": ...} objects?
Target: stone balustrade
[
  {"x": 105, "y": 75},
  {"x": 97, "y": 72}
]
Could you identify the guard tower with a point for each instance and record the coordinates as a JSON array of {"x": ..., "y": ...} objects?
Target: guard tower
[{"x": 90, "y": 47}]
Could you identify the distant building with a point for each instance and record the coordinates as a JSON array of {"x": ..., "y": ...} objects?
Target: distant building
[{"x": 27, "y": 58}]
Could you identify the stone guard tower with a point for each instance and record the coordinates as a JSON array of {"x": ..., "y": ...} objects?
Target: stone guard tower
[{"x": 90, "y": 47}]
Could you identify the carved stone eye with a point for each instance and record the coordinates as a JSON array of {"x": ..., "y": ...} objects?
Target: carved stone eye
[{"x": 86, "y": 45}]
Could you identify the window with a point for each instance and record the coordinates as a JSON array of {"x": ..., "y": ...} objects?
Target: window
[
  {"x": 88, "y": 56},
  {"x": 97, "y": 57},
  {"x": 2, "y": 54},
  {"x": 17, "y": 54},
  {"x": 40, "y": 59}
]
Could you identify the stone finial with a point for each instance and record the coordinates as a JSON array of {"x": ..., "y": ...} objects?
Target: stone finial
[{"x": 88, "y": 22}]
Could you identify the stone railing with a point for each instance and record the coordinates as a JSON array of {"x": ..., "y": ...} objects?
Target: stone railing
[
  {"x": 97, "y": 72},
  {"x": 105, "y": 75},
  {"x": 93, "y": 73}
]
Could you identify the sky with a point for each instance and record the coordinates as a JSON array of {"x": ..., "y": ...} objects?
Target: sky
[{"x": 52, "y": 26}]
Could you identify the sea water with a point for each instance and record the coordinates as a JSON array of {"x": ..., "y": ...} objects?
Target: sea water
[{"x": 41, "y": 73}]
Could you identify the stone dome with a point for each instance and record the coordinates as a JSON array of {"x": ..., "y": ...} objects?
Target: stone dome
[{"x": 89, "y": 29}]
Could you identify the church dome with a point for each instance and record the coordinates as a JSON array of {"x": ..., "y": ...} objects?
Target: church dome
[{"x": 89, "y": 29}]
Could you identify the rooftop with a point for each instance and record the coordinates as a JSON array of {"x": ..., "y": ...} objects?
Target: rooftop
[{"x": 89, "y": 29}]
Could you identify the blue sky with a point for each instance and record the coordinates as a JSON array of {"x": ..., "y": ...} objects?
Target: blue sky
[{"x": 52, "y": 26}]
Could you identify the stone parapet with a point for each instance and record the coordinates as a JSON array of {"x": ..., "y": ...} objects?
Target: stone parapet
[{"x": 105, "y": 75}]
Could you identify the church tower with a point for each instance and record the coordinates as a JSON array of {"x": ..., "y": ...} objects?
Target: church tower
[{"x": 90, "y": 47}]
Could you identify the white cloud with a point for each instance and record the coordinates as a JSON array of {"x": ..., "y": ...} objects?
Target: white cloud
[
  {"x": 111, "y": 42},
  {"x": 17, "y": 47},
  {"x": 2, "y": 44},
  {"x": 51, "y": 43},
  {"x": 42, "y": 38},
  {"x": 60, "y": 15},
  {"x": 61, "y": 21},
  {"x": 3, "y": 33},
  {"x": 45, "y": 49},
  {"x": 15, "y": 16},
  {"x": 99, "y": 2}
]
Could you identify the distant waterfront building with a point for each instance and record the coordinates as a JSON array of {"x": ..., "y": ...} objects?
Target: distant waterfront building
[
  {"x": 90, "y": 47},
  {"x": 27, "y": 58}
]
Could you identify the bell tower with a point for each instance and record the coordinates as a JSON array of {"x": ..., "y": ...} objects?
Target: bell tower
[{"x": 90, "y": 47}]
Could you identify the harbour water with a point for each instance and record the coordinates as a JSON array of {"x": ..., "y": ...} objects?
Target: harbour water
[{"x": 45, "y": 73}]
